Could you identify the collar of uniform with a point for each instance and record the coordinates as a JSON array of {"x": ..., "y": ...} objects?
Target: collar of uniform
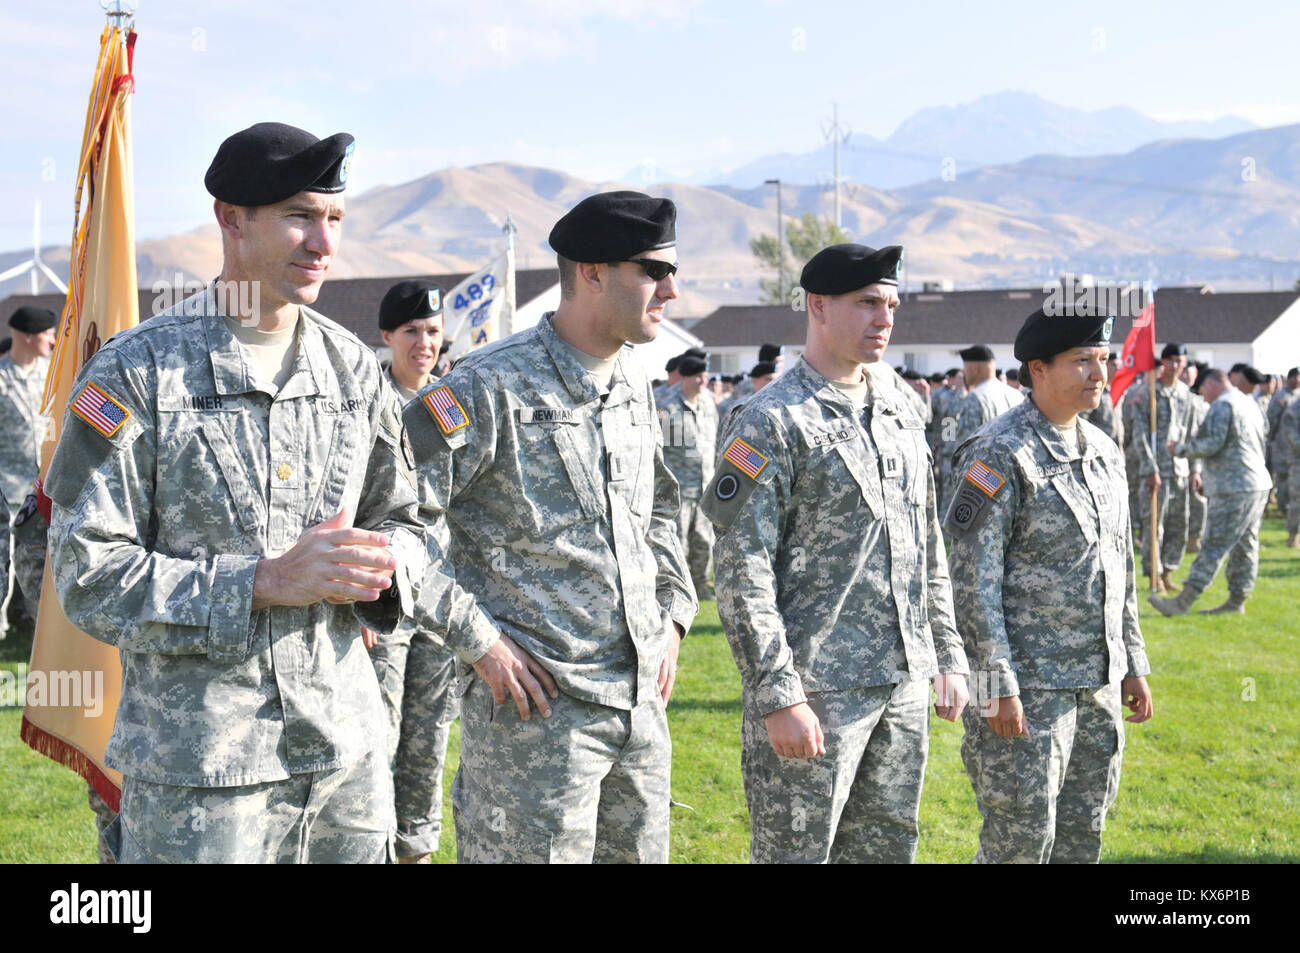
[
  {"x": 579, "y": 384},
  {"x": 827, "y": 393},
  {"x": 230, "y": 371},
  {"x": 1056, "y": 444}
]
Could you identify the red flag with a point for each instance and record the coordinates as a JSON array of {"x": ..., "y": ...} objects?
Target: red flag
[{"x": 1139, "y": 351}]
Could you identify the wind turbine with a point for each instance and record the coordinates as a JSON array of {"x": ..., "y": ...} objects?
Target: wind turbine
[{"x": 35, "y": 265}]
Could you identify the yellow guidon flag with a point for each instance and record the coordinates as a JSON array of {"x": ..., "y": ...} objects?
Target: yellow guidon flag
[{"x": 102, "y": 300}]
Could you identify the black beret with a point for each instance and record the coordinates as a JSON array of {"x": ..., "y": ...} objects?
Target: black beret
[
  {"x": 952, "y": 372},
  {"x": 1112, "y": 356},
  {"x": 976, "y": 352},
  {"x": 1238, "y": 367},
  {"x": 32, "y": 320},
  {"x": 912, "y": 375},
  {"x": 446, "y": 346},
  {"x": 270, "y": 162},
  {"x": 407, "y": 301},
  {"x": 1173, "y": 350},
  {"x": 839, "y": 269},
  {"x": 614, "y": 226},
  {"x": 691, "y": 365},
  {"x": 1253, "y": 376},
  {"x": 935, "y": 378},
  {"x": 769, "y": 352},
  {"x": 696, "y": 352},
  {"x": 672, "y": 363},
  {"x": 1044, "y": 335},
  {"x": 763, "y": 369},
  {"x": 1293, "y": 372}
]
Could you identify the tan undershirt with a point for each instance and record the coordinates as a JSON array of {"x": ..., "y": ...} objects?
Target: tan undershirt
[
  {"x": 272, "y": 353},
  {"x": 601, "y": 368},
  {"x": 858, "y": 391}
]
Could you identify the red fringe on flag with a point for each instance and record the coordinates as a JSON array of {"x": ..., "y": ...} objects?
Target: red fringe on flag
[{"x": 56, "y": 749}]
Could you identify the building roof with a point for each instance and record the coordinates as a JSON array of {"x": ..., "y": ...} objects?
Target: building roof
[
  {"x": 1186, "y": 315},
  {"x": 352, "y": 302}
]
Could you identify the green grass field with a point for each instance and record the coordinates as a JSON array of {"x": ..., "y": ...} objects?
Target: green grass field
[{"x": 1214, "y": 777}]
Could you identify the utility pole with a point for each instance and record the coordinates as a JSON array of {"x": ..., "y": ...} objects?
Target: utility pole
[
  {"x": 780, "y": 241},
  {"x": 832, "y": 132}
]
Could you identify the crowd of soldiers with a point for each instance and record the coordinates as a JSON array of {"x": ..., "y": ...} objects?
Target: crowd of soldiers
[{"x": 312, "y": 564}]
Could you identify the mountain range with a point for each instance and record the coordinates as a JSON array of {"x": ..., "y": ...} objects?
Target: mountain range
[{"x": 1224, "y": 210}]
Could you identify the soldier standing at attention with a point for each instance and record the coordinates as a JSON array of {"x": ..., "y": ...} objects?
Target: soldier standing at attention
[
  {"x": 568, "y": 587},
  {"x": 688, "y": 420},
  {"x": 1168, "y": 475},
  {"x": 231, "y": 503},
  {"x": 986, "y": 396},
  {"x": 1231, "y": 442},
  {"x": 1044, "y": 585},
  {"x": 833, "y": 585},
  {"x": 416, "y": 671}
]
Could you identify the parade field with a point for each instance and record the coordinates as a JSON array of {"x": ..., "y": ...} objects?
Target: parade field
[{"x": 1213, "y": 778}]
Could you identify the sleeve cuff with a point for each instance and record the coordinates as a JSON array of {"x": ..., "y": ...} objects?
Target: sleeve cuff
[
  {"x": 781, "y": 691},
  {"x": 472, "y": 640},
  {"x": 680, "y": 608},
  {"x": 1138, "y": 665},
  {"x": 230, "y": 623}
]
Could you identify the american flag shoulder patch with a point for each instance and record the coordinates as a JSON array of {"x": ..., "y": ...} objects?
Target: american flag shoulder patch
[
  {"x": 97, "y": 408},
  {"x": 985, "y": 478},
  {"x": 446, "y": 409},
  {"x": 747, "y": 460}
]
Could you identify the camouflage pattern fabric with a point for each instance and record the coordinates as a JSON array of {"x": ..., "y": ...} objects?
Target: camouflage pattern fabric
[
  {"x": 982, "y": 403},
  {"x": 1196, "y": 502},
  {"x": 1044, "y": 585},
  {"x": 1231, "y": 532},
  {"x": 1173, "y": 498},
  {"x": 690, "y": 435},
  {"x": 1044, "y": 796},
  {"x": 1280, "y": 453},
  {"x": 183, "y": 450},
  {"x": 1231, "y": 443},
  {"x": 811, "y": 481},
  {"x": 562, "y": 520},
  {"x": 1290, "y": 437},
  {"x": 23, "y": 428},
  {"x": 104, "y": 817},
  {"x": 335, "y": 816},
  {"x": 1056, "y": 512},
  {"x": 589, "y": 784},
  {"x": 31, "y": 536},
  {"x": 417, "y": 679},
  {"x": 943, "y": 427},
  {"x": 857, "y": 804}
]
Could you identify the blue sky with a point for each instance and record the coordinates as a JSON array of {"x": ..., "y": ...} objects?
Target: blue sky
[{"x": 593, "y": 88}]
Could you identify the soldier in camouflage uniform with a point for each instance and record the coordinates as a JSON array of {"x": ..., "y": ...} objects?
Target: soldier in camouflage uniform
[
  {"x": 1289, "y": 427},
  {"x": 22, "y": 386},
  {"x": 832, "y": 584},
  {"x": 1279, "y": 457},
  {"x": 947, "y": 403},
  {"x": 1196, "y": 504},
  {"x": 688, "y": 420},
  {"x": 565, "y": 581},
  {"x": 231, "y": 502},
  {"x": 1231, "y": 441},
  {"x": 1044, "y": 585},
  {"x": 416, "y": 670},
  {"x": 1169, "y": 476}
]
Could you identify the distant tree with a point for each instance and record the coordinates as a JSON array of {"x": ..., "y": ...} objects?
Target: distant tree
[{"x": 803, "y": 238}]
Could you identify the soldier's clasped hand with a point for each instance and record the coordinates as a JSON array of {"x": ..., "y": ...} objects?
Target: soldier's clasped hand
[{"x": 333, "y": 562}]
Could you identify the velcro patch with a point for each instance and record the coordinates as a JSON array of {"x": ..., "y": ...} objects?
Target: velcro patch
[
  {"x": 988, "y": 481},
  {"x": 547, "y": 415},
  {"x": 101, "y": 411},
  {"x": 747, "y": 460},
  {"x": 407, "y": 451},
  {"x": 965, "y": 507},
  {"x": 446, "y": 409}
]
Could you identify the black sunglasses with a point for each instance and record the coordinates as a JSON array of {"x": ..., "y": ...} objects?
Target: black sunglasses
[{"x": 656, "y": 269}]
